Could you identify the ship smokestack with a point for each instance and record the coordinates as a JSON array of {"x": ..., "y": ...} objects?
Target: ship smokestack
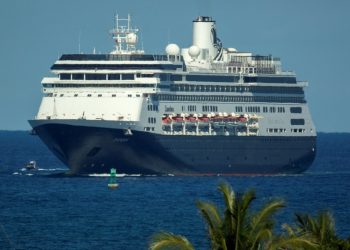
[{"x": 204, "y": 37}]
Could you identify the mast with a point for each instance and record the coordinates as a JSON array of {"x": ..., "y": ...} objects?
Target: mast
[{"x": 125, "y": 36}]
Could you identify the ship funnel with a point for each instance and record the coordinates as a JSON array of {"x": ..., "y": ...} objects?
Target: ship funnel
[{"x": 204, "y": 37}]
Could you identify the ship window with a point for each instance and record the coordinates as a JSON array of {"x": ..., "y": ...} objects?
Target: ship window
[
  {"x": 151, "y": 120},
  {"x": 233, "y": 99},
  {"x": 164, "y": 77},
  {"x": 239, "y": 109},
  {"x": 113, "y": 76},
  {"x": 89, "y": 95},
  {"x": 99, "y": 95},
  {"x": 78, "y": 76},
  {"x": 191, "y": 108},
  {"x": 295, "y": 110},
  {"x": 65, "y": 76},
  {"x": 75, "y": 95},
  {"x": 61, "y": 95},
  {"x": 114, "y": 95},
  {"x": 297, "y": 121},
  {"x": 147, "y": 75},
  {"x": 175, "y": 77},
  {"x": 128, "y": 76},
  {"x": 280, "y": 110},
  {"x": 95, "y": 76},
  {"x": 211, "y": 78}
]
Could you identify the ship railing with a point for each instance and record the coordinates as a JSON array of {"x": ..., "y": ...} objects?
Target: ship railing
[
  {"x": 114, "y": 57},
  {"x": 242, "y": 68}
]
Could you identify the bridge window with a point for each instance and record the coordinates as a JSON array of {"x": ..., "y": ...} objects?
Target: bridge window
[
  {"x": 95, "y": 76},
  {"x": 113, "y": 76},
  {"x": 295, "y": 110},
  {"x": 128, "y": 76},
  {"x": 297, "y": 121},
  {"x": 78, "y": 76},
  {"x": 65, "y": 76}
]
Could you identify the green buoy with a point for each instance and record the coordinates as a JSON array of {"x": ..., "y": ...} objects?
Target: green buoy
[{"x": 112, "y": 184}]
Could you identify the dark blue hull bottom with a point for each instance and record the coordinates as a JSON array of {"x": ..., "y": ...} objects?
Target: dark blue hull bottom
[{"x": 96, "y": 150}]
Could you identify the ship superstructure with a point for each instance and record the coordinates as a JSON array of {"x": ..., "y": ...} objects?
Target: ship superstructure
[{"x": 205, "y": 109}]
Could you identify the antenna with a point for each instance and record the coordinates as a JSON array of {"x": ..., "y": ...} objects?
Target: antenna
[
  {"x": 141, "y": 41},
  {"x": 168, "y": 36},
  {"x": 79, "y": 41},
  {"x": 125, "y": 36}
]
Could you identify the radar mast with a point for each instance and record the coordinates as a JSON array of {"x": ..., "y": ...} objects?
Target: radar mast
[{"x": 125, "y": 37}]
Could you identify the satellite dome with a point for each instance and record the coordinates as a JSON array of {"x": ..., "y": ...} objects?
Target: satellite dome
[
  {"x": 232, "y": 50},
  {"x": 194, "y": 51},
  {"x": 131, "y": 38},
  {"x": 172, "y": 49}
]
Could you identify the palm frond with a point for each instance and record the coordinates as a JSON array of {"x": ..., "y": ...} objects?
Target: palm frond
[
  {"x": 229, "y": 195},
  {"x": 265, "y": 214},
  {"x": 165, "y": 240},
  {"x": 326, "y": 226},
  {"x": 247, "y": 199},
  {"x": 290, "y": 231},
  {"x": 292, "y": 243},
  {"x": 262, "y": 234},
  {"x": 211, "y": 215}
]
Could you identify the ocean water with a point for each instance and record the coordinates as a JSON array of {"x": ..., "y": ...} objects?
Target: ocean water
[{"x": 39, "y": 210}]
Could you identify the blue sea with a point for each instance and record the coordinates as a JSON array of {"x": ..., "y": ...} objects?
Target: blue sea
[{"x": 40, "y": 210}]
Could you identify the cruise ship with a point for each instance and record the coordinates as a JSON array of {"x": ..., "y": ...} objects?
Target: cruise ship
[{"x": 200, "y": 110}]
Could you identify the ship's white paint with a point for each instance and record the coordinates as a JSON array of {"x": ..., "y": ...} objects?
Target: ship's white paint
[
  {"x": 172, "y": 49},
  {"x": 146, "y": 80},
  {"x": 113, "y": 62},
  {"x": 124, "y": 107},
  {"x": 203, "y": 38},
  {"x": 115, "y": 107}
]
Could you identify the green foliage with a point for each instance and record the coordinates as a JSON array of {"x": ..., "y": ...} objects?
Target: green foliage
[
  {"x": 237, "y": 227},
  {"x": 321, "y": 229},
  {"x": 164, "y": 240}
]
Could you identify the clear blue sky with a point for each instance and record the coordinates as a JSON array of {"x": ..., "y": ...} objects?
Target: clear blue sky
[{"x": 312, "y": 37}]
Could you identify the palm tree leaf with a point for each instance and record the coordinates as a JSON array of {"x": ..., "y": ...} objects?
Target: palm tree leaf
[
  {"x": 292, "y": 243},
  {"x": 290, "y": 231},
  {"x": 263, "y": 216},
  {"x": 247, "y": 199},
  {"x": 212, "y": 217},
  {"x": 326, "y": 227},
  {"x": 321, "y": 227},
  {"x": 229, "y": 195},
  {"x": 210, "y": 213},
  {"x": 262, "y": 234},
  {"x": 164, "y": 240}
]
